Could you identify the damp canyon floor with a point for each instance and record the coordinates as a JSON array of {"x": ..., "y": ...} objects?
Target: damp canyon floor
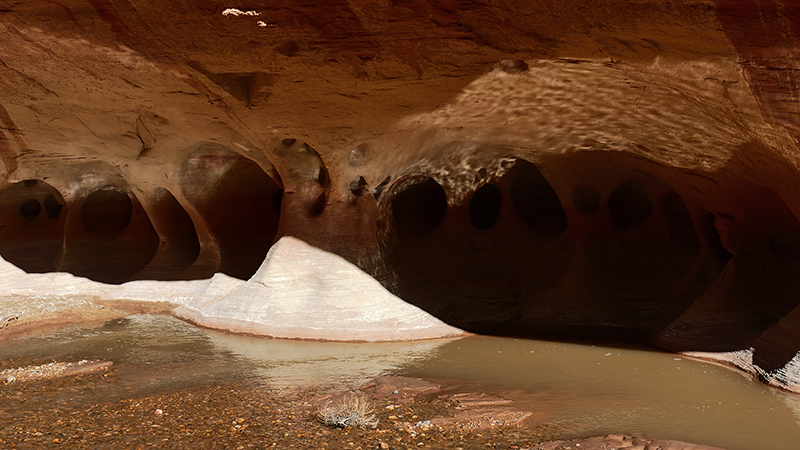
[
  {"x": 225, "y": 416},
  {"x": 173, "y": 385}
]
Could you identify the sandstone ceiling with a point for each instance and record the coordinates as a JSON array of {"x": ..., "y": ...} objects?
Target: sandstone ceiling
[{"x": 605, "y": 169}]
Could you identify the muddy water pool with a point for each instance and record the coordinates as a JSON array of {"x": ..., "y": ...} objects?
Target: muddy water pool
[{"x": 582, "y": 389}]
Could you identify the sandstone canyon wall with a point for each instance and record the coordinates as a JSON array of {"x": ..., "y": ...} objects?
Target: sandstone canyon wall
[{"x": 605, "y": 169}]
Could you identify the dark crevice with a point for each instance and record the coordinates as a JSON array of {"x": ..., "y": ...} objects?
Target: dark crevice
[
  {"x": 712, "y": 237},
  {"x": 536, "y": 201},
  {"x": 107, "y": 210},
  {"x": 682, "y": 230},
  {"x": 419, "y": 208},
  {"x": 484, "y": 208},
  {"x": 319, "y": 205},
  {"x": 30, "y": 209},
  {"x": 53, "y": 207},
  {"x": 629, "y": 205}
]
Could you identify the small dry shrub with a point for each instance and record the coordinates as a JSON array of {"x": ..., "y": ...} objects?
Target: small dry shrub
[{"x": 348, "y": 411}]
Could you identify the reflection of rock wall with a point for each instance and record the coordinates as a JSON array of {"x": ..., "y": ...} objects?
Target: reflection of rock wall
[{"x": 629, "y": 171}]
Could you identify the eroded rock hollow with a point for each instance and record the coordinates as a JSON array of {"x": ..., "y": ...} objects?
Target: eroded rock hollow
[{"x": 606, "y": 169}]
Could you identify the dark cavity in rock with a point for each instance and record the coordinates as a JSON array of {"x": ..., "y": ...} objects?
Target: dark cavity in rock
[{"x": 484, "y": 208}]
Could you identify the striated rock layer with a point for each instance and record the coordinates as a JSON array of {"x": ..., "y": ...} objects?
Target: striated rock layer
[
  {"x": 299, "y": 292},
  {"x": 303, "y": 293},
  {"x": 608, "y": 169}
]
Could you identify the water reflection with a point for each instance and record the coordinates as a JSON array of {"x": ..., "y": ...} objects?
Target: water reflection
[
  {"x": 595, "y": 389},
  {"x": 583, "y": 389},
  {"x": 150, "y": 354},
  {"x": 283, "y": 362}
]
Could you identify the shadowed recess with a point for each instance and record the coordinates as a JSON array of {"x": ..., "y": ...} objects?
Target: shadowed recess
[
  {"x": 759, "y": 285},
  {"x": 586, "y": 198},
  {"x": 478, "y": 264},
  {"x": 109, "y": 238},
  {"x": 53, "y": 207},
  {"x": 711, "y": 238},
  {"x": 420, "y": 207},
  {"x": 536, "y": 201},
  {"x": 238, "y": 201},
  {"x": 107, "y": 210},
  {"x": 179, "y": 244},
  {"x": 484, "y": 207},
  {"x": 519, "y": 267},
  {"x": 319, "y": 205},
  {"x": 30, "y": 209},
  {"x": 629, "y": 205},
  {"x": 29, "y": 239},
  {"x": 681, "y": 227}
]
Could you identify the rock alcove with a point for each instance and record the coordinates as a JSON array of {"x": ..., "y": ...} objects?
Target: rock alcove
[{"x": 613, "y": 170}]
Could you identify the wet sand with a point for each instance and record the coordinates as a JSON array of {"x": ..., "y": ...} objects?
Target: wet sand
[{"x": 227, "y": 416}]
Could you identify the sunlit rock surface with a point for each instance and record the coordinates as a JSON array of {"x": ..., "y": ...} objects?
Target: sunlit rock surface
[
  {"x": 299, "y": 292},
  {"x": 608, "y": 169},
  {"x": 302, "y": 292}
]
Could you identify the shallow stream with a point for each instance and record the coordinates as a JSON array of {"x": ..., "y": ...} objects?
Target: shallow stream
[{"x": 583, "y": 389}]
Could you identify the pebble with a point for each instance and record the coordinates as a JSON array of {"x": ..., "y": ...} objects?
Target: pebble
[{"x": 52, "y": 370}]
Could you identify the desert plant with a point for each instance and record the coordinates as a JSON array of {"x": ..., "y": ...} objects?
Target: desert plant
[{"x": 348, "y": 411}]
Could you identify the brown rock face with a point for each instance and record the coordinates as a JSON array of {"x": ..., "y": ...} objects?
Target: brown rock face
[{"x": 601, "y": 169}]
